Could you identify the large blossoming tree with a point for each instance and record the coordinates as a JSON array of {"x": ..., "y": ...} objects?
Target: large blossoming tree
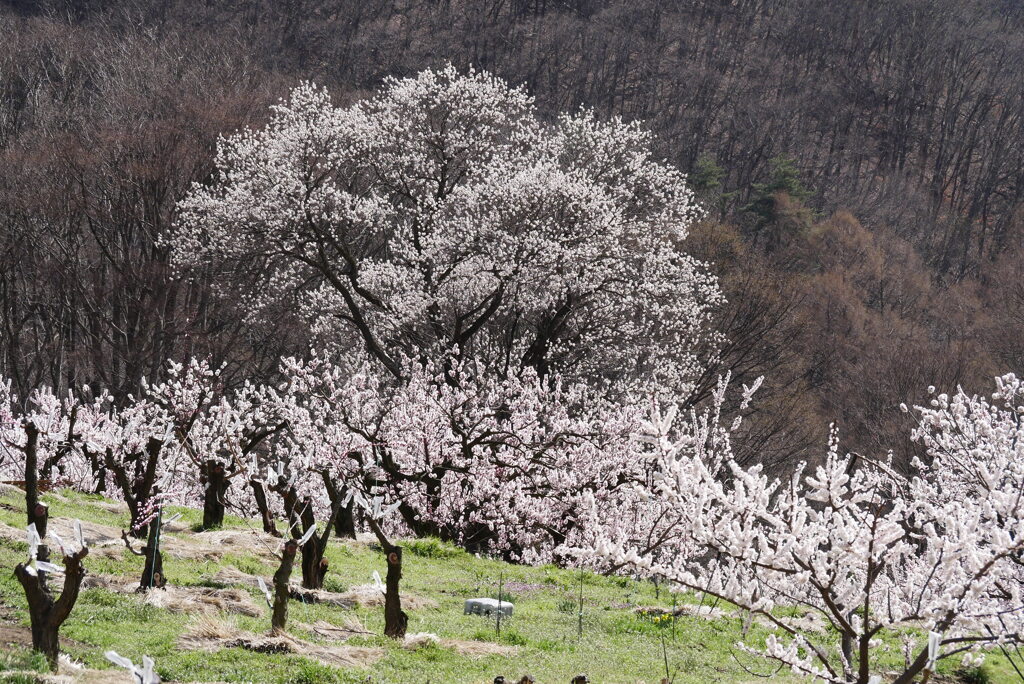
[
  {"x": 463, "y": 257},
  {"x": 443, "y": 214}
]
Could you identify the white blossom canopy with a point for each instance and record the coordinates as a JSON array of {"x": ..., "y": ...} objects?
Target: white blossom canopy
[{"x": 443, "y": 213}]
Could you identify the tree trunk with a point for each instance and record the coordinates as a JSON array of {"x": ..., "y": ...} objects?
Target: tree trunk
[
  {"x": 345, "y": 524},
  {"x": 153, "y": 573},
  {"x": 36, "y": 511},
  {"x": 314, "y": 565},
  {"x": 47, "y": 641},
  {"x": 395, "y": 619},
  {"x": 45, "y": 614},
  {"x": 281, "y": 592},
  {"x": 213, "y": 497},
  {"x": 260, "y": 495},
  {"x": 99, "y": 471}
]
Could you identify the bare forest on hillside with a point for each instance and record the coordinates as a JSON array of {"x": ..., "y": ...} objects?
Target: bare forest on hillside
[{"x": 861, "y": 164}]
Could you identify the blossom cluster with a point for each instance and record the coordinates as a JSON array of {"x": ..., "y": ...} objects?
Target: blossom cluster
[{"x": 868, "y": 550}]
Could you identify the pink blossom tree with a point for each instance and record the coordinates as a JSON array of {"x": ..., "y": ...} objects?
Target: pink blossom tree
[
  {"x": 39, "y": 442},
  {"x": 443, "y": 215},
  {"x": 490, "y": 286},
  {"x": 40, "y": 438},
  {"x": 496, "y": 465},
  {"x": 871, "y": 552}
]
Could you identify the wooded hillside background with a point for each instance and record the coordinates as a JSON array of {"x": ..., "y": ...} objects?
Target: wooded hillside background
[{"x": 862, "y": 165}]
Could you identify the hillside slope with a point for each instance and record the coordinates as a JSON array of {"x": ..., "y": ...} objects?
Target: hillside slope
[{"x": 211, "y": 577}]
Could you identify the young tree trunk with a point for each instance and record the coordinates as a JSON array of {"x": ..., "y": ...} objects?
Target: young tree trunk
[
  {"x": 153, "y": 572},
  {"x": 260, "y": 495},
  {"x": 45, "y": 614},
  {"x": 395, "y": 619},
  {"x": 314, "y": 565},
  {"x": 36, "y": 511},
  {"x": 281, "y": 592},
  {"x": 345, "y": 525},
  {"x": 216, "y": 480}
]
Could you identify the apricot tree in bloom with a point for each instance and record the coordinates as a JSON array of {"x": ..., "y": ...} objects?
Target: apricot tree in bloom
[
  {"x": 39, "y": 443},
  {"x": 443, "y": 215},
  {"x": 872, "y": 553},
  {"x": 219, "y": 433},
  {"x": 494, "y": 464},
  {"x": 301, "y": 470}
]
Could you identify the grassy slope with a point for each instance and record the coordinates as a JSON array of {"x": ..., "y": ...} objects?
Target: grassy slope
[{"x": 617, "y": 646}]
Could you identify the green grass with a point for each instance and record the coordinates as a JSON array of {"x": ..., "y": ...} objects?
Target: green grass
[{"x": 617, "y": 645}]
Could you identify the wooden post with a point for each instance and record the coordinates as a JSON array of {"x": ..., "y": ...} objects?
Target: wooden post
[
  {"x": 281, "y": 592},
  {"x": 45, "y": 614}
]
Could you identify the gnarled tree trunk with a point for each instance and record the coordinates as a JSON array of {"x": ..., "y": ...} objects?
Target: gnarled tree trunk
[
  {"x": 47, "y": 615},
  {"x": 36, "y": 511},
  {"x": 260, "y": 495},
  {"x": 395, "y": 619},
  {"x": 281, "y": 592},
  {"x": 345, "y": 525},
  {"x": 314, "y": 565},
  {"x": 216, "y": 480}
]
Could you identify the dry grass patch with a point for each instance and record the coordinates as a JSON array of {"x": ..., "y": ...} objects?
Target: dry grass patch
[
  {"x": 210, "y": 634},
  {"x": 351, "y": 627},
  {"x": 359, "y": 596},
  {"x": 479, "y": 649},
  {"x": 175, "y": 599},
  {"x": 369, "y": 596}
]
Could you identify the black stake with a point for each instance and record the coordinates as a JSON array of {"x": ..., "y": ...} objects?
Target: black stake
[
  {"x": 501, "y": 584},
  {"x": 664, "y": 655},
  {"x": 673, "y": 616},
  {"x": 579, "y": 625}
]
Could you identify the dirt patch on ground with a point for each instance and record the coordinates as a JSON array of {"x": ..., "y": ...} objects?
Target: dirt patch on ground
[
  {"x": 75, "y": 673},
  {"x": 208, "y": 634},
  {"x": 216, "y": 543},
  {"x": 471, "y": 649},
  {"x": 230, "y": 575},
  {"x": 13, "y": 635},
  {"x": 16, "y": 635},
  {"x": 369, "y": 596},
  {"x": 13, "y": 533},
  {"x": 102, "y": 540}
]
